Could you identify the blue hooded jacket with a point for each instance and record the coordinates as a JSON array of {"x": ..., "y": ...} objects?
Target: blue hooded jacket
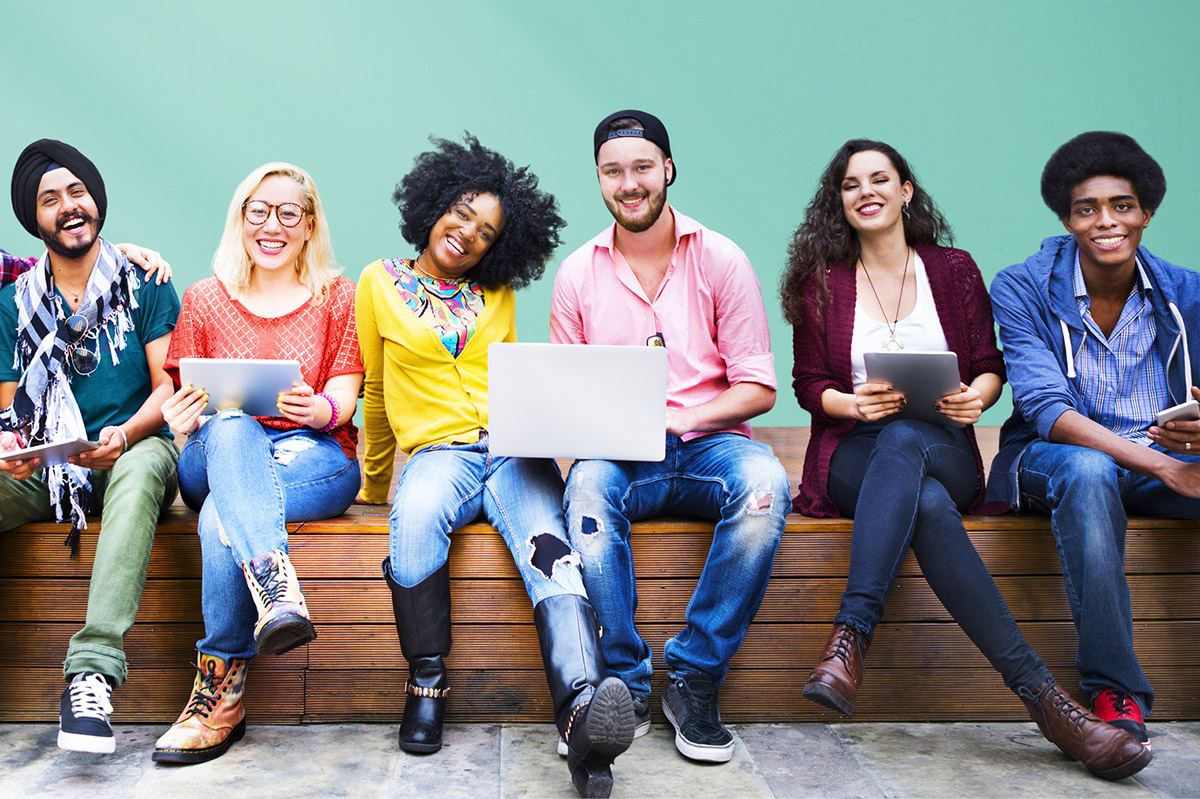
[{"x": 1041, "y": 330}]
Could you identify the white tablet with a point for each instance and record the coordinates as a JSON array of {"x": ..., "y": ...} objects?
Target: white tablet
[
  {"x": 922, "y": 377},
  {"x": 249, "y": 384},
  {"x": 51, "y": 454}
]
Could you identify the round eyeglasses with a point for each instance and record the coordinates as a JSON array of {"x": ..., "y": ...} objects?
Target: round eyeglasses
[
  {"x": 83, "y": 348},
  {"x": 258, "y": 212}
]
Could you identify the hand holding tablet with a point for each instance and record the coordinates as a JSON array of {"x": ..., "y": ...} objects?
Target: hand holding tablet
[
  {"x": 250, "y": 384},
  {"x": 49, "y": 454},
  {"x": 924, "y": 378}
]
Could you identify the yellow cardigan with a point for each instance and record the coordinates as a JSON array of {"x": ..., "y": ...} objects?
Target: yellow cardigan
[{"x": 415, "y": 393}]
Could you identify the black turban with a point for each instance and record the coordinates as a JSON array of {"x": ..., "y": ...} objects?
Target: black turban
[{"x": 32, "y": 164}]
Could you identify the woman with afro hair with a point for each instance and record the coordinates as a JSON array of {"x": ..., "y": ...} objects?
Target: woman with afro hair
[
  {"x": 869, "y": 271},
  {"x": 482, "y": 228}
]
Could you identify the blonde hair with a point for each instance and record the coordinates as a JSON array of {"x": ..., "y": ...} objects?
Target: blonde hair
[{"x": 315, "y": 266}]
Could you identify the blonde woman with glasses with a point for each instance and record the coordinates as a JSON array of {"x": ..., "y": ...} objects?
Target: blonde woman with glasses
[{"x": 275, "y": 294}]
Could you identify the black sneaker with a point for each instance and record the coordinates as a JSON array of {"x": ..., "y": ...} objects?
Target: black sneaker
[
  {"x": 641, "y": 715},
  {"x": 641, "y": 721},
  {"x": 690, "y": 704},
  {"x": 83, "y": 715}
]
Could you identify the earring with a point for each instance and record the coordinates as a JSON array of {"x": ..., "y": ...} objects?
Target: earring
[{"x": 906, "y": 214}]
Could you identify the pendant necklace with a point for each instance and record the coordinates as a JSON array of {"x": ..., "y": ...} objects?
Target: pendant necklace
[{"x": 890, "y": 344}]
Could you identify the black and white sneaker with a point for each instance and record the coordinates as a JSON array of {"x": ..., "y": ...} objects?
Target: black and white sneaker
[
  {"x": 641, "y": 721},
  {"x": 690, "y": 704},
  {"x": 83, "y": 715}
]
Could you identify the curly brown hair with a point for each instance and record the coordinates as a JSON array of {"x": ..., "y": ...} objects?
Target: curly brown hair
[{"x": 825, "y": 237}]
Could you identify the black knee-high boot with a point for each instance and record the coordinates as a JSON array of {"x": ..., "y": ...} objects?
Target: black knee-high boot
[
  {"x": 423, "y": 624},
  {"x": 594, "y": 715}
]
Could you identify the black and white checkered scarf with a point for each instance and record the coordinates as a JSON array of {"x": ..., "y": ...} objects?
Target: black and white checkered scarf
[{"x": 44, "y": 406}]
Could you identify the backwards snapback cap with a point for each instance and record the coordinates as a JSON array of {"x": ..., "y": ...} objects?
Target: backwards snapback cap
[{"x": 653, "y": 130}]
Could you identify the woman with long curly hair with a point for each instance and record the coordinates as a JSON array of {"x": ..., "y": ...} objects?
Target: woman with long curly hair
[
  {"x": 482, "y": 228},
  {"x": 869, "y": 269},
  {"x": 276, "y": 293}
]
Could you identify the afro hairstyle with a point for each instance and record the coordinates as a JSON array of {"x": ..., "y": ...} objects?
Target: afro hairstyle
[
  {"x": 1101, "y": 153},
  {"x": 451, "y": 171}
]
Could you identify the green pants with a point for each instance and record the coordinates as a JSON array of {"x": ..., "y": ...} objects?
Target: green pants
[{"x": 134, "y": 492}]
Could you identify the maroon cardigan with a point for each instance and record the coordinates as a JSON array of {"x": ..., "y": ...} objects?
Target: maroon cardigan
[{"x": 821, "y": 347}]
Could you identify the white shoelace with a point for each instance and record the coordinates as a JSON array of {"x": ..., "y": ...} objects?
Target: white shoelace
[{"x": 91, "y": 697}]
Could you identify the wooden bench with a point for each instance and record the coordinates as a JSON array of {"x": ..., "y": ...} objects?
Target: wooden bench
[{"x": 921, "y": 666}]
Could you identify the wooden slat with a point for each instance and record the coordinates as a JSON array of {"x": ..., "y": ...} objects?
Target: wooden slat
[{"x": 1155, "y": 596}]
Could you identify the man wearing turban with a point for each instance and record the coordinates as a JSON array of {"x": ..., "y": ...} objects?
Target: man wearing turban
[{"x": 82, "y": 343}]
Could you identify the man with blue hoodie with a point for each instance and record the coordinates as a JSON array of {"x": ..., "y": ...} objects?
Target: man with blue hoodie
[{"x": 1097, "y": 336}]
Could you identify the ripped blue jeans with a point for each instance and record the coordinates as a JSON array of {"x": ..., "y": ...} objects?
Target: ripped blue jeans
[
  {"x": 446, "y": 486},
  {"x": 247, "y": 481},
  {"x": 724, "y": 477}
]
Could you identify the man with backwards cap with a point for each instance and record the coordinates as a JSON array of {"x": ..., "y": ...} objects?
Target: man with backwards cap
[
  {"x": 82, "y": 344},
  {"x": 659, "y": 278}
]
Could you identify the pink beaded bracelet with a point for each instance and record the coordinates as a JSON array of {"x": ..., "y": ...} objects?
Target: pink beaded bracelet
[{"x": 336, "y": 411}]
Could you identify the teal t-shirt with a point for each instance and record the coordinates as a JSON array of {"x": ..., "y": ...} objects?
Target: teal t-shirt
[{"x": 113, "y": 393}]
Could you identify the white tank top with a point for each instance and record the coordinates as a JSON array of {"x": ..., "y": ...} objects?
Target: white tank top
[{"x": 920, "y": 331}]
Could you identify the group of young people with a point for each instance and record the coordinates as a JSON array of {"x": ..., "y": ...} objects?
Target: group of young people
[{"x": 1095, "y": 342}]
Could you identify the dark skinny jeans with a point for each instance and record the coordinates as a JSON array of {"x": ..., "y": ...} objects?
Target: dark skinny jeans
[{"x": 906, "y": 483}]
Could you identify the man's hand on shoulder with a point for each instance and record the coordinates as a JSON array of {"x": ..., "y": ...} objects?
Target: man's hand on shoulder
[
  {"x": 17, "y": 470},
  {"x": 151, "y": 261}
]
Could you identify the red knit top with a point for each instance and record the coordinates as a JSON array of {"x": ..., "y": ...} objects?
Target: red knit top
[
  {"x": 323, "y": 338},
  {"x": 821, "y": 347}
]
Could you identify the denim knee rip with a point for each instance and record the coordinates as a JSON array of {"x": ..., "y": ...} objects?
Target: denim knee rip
[
  {"x": 549, "y": 553},
  {"x": 759, "y": 503},
  {"x": 288, "y": 448}
]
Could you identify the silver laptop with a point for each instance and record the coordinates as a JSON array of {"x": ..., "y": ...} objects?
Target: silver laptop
[{"x": 577, "y": 401}]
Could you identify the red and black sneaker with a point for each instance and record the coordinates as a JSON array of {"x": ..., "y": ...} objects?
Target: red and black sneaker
[{"x": 1121, "y": 711}]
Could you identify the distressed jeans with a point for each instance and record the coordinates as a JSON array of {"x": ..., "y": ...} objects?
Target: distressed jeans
[
  {"x": 906, "y": 484},
  {"x": 724, "y": 477},
  {"x": 446, "y": 486},
  {"x": 247, "y": 481},
  {"x": 131, "y": 496},
  {"x": 1088, "y": 497}
]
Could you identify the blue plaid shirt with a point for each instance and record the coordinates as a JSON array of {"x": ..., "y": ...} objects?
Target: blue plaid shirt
[
  {"x": 11, "y": 266},
  {"x": 1121, "y": 377}
]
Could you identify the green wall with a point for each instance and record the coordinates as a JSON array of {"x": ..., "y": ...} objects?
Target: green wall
[{"x": 177, "y": 102}]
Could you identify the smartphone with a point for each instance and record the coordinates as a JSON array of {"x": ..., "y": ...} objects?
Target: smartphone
[{"x": 1185, "y": 411}]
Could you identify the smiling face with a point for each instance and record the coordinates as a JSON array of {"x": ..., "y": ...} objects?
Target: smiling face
[
  {"x": 462, "y": 236},
  {"x": 633, "y": 181},
  {"x": 873, "y": 196},
  {"x": 270, "y": 244},
  {"x": 1107, "y": 221},
  {"x": 67, "y": 217}
]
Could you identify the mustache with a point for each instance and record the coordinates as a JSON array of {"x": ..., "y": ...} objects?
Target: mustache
[{"x": 63, "y": 219}]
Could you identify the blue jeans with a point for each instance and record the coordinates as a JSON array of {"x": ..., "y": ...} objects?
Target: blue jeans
[
  {"x": 725, "y": 477},
  {"x": 247, "y": 481},
  {"x": 1087, "y": 496},
  {"x": 906, "y": 483},
  {"x": 446, "y": 486}
]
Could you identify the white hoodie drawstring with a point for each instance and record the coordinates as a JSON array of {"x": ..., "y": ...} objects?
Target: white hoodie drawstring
[{"x": 1067, "y": 349}]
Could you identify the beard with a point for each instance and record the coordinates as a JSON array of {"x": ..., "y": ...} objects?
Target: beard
[
  {"x": 56, "y": 246},
  {"x": 656, "y": 202}
]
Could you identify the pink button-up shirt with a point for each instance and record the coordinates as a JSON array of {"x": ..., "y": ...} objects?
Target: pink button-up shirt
[{"x": 708, "y": 309}]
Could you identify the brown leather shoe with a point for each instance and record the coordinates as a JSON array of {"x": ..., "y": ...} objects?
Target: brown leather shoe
[
  {"x": 1104, "y": 750},
  {"x": 834, "y": 682}
]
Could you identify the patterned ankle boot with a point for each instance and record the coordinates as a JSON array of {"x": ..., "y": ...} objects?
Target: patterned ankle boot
[
  {"x": 213, "y": 719},
  {"x": 283, "y": 621}
]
